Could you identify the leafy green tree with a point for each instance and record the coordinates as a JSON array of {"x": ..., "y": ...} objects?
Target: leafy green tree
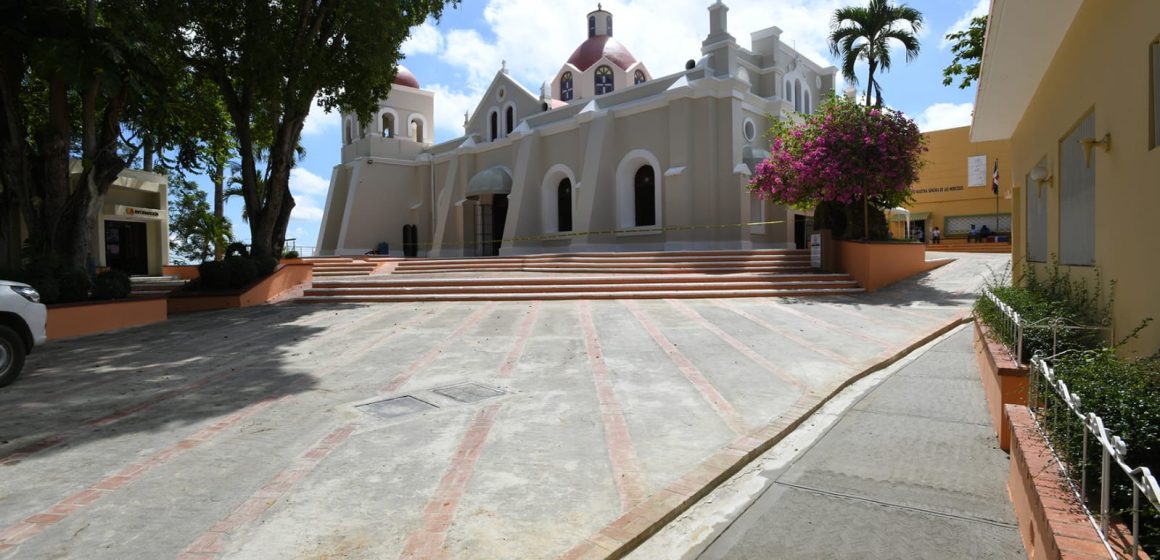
[
  {"x": 270, "y": 60},
  {"x": 71, "y": 73},
  {"x": 194, "y": 231},
  {"x": 968, "y": 49},
  {"x": 865, "y": 33}
]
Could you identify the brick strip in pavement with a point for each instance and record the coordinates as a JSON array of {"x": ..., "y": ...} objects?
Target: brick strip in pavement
[
  {"x": 784, "y": 332},
  {"x": 621, "y": 452},
  {"x": 212, "y": 543},
  {"x": 736, "y": 344},
  {"x": 716, "y": 400},
  {"x": 430, "y": 356}
]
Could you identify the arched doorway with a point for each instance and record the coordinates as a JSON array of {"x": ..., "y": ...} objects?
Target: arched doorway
[
  {"x": 644, "y": 196},
  {"x": 564, "y": 205},
  {"x": 489, "y": 189}
]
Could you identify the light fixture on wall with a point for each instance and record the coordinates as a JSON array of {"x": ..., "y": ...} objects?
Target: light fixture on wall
[
  {"x": 1041, "y": 176},
  {"x": 1088, "y": 143}
]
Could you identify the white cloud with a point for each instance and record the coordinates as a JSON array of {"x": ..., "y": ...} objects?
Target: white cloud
[
  {"x": 424, "y": 39},
  {"x": 450, "y": 104},
  {"x": 305, "y": 210},
  {"x": 981, "y": 8},
  {"x": 320, "y": 120},
  {"x": 305, "y": 183},
  {"x": 945, "y": 115}
]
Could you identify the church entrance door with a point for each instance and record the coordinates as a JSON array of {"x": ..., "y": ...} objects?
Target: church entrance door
[{"x": 490, "y": 217}]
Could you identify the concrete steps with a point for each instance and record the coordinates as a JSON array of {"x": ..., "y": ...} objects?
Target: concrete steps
[
  {"x": 342, "y": 266},
  {"x": 148, "y": 286},
  {"x": 963, "y": 247},
  {"x": 694, "y": 274}
]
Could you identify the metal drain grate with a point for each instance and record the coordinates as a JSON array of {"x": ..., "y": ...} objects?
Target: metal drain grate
[
  {"x": 469, "y": 392},
  {"x": 396, "y": 407}
]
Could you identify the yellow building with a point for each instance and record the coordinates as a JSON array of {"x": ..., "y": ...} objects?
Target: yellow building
[
  {"x": 954, "y": 188},
  {"x": 1075, "y": 86}
]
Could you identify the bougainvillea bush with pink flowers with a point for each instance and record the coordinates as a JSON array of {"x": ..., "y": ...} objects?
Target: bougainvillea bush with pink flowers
[{"x": 844, "y": 155}]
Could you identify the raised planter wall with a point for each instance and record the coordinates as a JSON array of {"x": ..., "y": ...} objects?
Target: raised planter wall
[
  {"x": 182, "y": 271},
  {"x": 877, "y": 265},
  {"x": 76, "y": 319},
  {"x": 1004, "y": 380},
  {"x": 285, "y": 278},
  {"x": 1051, "y": 520}
]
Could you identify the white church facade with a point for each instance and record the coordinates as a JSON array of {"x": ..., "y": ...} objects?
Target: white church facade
[{"x": 606, "y": 158}]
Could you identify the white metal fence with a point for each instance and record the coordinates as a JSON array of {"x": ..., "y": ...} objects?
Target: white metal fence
[{"x": 1057, "y": 412}]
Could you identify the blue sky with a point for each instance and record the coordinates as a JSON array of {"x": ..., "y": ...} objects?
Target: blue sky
[{"x": 458, "y": 57}]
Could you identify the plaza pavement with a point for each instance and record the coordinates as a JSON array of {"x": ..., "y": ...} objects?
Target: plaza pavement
[{"x": 520, "y": 429}]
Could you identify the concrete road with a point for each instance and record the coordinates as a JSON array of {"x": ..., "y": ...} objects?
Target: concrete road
[{"x": 513, "y": 430}]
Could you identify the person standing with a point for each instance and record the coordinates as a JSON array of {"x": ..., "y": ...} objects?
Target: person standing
[
  {"x": 935, "y": 236},
  {"x": 973, "y": 234}
]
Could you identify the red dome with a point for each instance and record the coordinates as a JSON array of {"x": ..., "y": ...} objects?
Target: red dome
[
  {"x": 594, "y": 48},
  {"x": 404, "y": 77}
]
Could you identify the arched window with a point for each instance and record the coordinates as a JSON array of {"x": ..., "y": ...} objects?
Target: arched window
[
  {"x": 788, "y": 94},
  {"x": 510, "y": 119},
  {"x": 609, "y": 24},
  {"x": 806, "y": 103},
  {"x": 416, "y": 130},
  {"x": 797, "y": 95},
  {"x": 644, "y": 196},
  {"x": 638, "y": 77},
  {"x": 348, "y": 134},
  {"x": 603, "y": 80},
  {"x": 564, "y": 205},
  {"x": 566, "y": 86},
  {"x": 493, "y": 125},
  {"x": 388, "y": 125},
  {"x": 591, "y": 26}
]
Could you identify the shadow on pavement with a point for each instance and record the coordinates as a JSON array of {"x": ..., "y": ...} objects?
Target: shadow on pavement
[{"x": 158, "y": 377}]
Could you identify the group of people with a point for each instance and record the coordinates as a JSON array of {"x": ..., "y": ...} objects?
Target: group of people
[
  {"x": 978, "y": 235},
  {"x": 974, "y": 235}
]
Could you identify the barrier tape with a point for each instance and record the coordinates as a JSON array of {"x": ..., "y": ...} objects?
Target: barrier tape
[{"x": 634, "y": 231}]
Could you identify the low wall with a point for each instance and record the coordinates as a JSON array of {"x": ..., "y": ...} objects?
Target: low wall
[
  {"x": 876, "y": 265},
  {"x": 182, "y": 271},
  {"x": 77, "y": 319},
  {"x": 1052, "y": 522},
  {"x": 1004, "y": 380},
  {"x": 285, "y": 278}
]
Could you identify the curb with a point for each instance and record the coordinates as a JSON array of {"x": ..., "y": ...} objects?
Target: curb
[{"x": 647, "y": 518}]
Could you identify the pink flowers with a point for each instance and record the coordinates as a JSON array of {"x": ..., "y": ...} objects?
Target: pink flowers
[{"x": 841, "y": 153}]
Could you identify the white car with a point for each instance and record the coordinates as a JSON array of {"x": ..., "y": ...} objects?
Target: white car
[{"x": 22, "y": 319}]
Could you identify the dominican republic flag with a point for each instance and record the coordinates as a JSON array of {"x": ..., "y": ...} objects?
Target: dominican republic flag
[{"x": 995, "y": 178}]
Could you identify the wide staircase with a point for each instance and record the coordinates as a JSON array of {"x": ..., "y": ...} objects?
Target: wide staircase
[
  {"x": 683, "y": 274},
  {"x": 325, "y": 267},
  {"x": 961, "y": 246}
]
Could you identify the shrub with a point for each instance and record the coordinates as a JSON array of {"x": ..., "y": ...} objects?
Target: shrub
[
  {"x": 265, "y": 267},
  {"x": 290, "y": 255},
  {"x": 237, "y": 249},
  {"x": 112, "y": 284},
  {"x": 74, "y": 285},
  {"x": 241, "y": 271}
]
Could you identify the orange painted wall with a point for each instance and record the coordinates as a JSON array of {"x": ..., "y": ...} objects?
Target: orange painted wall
[
  {"x": 286, "y": 277},
  {"x": 1004, "y": 381},
  {"x": 78, "y": 319},
  {"x": 182, "y": 271},
  {"x": 877, "y": 265}
]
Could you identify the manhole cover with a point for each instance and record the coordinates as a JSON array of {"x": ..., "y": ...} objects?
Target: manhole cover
[
  {"x": 469, "y": 392},
  {"x": 393, "y": 408}
]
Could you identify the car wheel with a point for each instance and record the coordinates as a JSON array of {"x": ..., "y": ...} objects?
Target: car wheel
[{"x": 11, "y": 355}]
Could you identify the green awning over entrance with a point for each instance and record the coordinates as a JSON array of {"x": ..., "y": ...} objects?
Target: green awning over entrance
[
  {"x": 914, "y": 216},
  {"x": 493, "y": 180}
]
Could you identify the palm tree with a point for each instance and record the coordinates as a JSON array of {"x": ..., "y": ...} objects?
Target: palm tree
[{"x": 859, "y": 33}]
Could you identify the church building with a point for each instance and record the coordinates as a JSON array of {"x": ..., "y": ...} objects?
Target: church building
[{"x": 605, "y": 158}]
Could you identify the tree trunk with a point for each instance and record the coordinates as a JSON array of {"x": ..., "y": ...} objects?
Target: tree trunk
[{"x": 218, "y": 177}]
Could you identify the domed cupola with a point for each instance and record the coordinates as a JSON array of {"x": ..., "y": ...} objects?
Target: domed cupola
[
  {"x": 599, "y": 65},
  {"x": 404, "y": 77}
]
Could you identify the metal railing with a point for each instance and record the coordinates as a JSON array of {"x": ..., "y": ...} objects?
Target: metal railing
[
  {"x": 1011, "y": 325},
  {"x": 1057, "y": 412}
]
